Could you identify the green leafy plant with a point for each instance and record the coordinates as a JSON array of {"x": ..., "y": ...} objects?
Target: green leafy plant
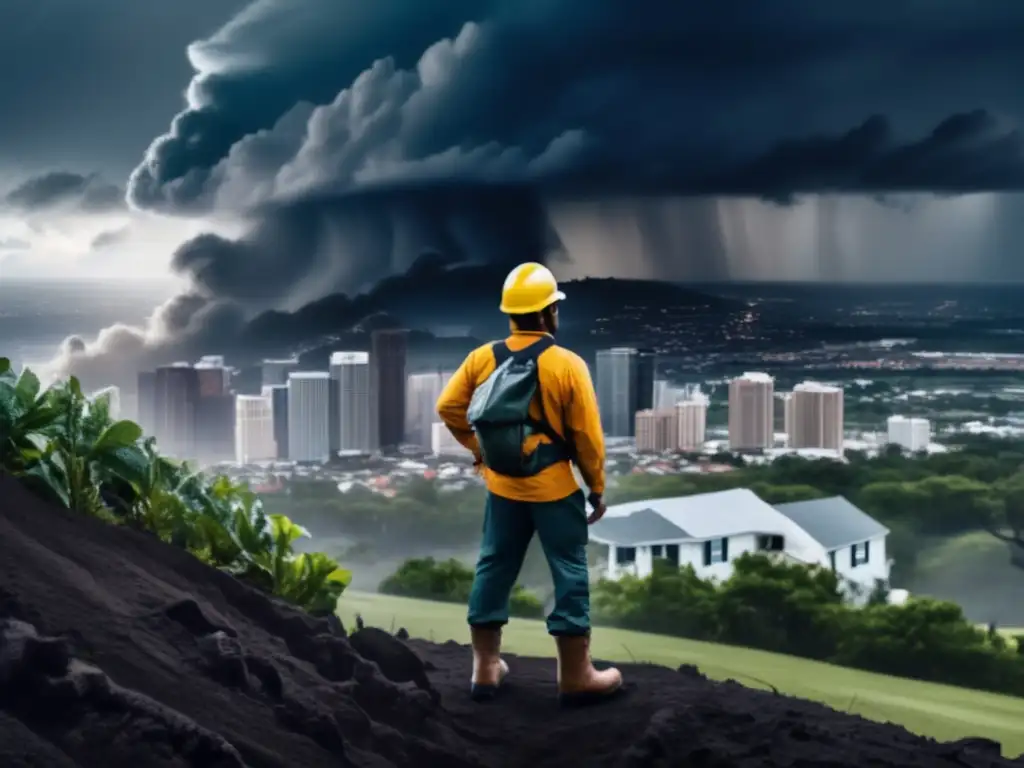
[{"x": 66, "y": 447}]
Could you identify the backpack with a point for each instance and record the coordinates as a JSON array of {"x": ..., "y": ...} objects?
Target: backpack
[{"x": 499, "y": 413}]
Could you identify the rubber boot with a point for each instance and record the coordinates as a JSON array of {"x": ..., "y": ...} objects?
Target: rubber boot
[
  {"x": 489, "y": 669},
  {"x": 579, "y": 683}
]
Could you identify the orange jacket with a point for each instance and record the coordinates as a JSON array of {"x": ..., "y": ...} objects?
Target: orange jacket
[{"x": 570, "y": 405}]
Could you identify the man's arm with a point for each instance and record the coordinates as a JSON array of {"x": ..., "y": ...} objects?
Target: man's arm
[
  {"x": 454, "y": 402},
  {"x": 585, "y": 426}
]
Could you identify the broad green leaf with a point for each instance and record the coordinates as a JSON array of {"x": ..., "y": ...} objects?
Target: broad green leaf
[
  {"x": 129, "y": 464},
  {"x": 75, "y": 386},
  {"x": 28, "y": 386},
  {"x": 48, "y": 480},
  {"x": 120, "y": 434}
]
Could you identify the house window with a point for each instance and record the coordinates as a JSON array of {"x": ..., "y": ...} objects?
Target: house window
[
  {"x": 656, "y": 550},
  {"x": 716, "y": 551},
  {"x": 625, "y": 555},
  {"x": 672, "y": 553},
  {"x": 769, "y": 543},
  {"x": 859, "y": 554}
]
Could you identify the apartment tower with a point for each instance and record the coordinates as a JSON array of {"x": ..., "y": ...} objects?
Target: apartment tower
[
  {"x": 308, "y": 434},
  {"x": 814, "y": 417},
  {"x": 751, "y": 412}
]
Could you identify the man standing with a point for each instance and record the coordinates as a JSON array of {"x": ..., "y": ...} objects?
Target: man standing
[{"x": 527, "y": 410}]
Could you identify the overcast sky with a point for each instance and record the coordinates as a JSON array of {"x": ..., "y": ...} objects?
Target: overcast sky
[{"x": 676, "y": 139}]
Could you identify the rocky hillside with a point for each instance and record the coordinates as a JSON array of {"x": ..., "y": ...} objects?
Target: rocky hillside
[{"x": 118, "y": 650}]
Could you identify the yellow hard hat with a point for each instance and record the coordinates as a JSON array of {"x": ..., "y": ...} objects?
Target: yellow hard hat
[{"x": 530, "y": 287}]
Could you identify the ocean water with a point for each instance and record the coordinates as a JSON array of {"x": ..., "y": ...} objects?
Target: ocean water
[{"x": 36, "y": 316}]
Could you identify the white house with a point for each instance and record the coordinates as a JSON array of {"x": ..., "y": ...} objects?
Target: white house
[{"x": 708, "y": 531}]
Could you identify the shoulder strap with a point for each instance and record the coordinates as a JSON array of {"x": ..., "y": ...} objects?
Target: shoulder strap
[{"x": 501, "y": 352}]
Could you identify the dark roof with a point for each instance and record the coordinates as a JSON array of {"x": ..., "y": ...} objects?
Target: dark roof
[
  {"x": 833, "y": 522},
  {"x": 640, "y": 527}
]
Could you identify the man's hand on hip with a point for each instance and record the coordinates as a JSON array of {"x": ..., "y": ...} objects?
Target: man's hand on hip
[{"x": 599, "y": 508}]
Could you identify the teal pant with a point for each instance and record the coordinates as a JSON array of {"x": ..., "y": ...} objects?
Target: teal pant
[{"x": 508, "y": 528}]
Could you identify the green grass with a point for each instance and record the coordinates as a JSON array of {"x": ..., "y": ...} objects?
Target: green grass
[{"x": 940, "y": 711}]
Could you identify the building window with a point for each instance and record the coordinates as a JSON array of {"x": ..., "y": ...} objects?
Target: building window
[
  {"x": 656, "y": 550},
  {"x": 770, "y": 543},
  {"x": 859, "y": 554},
  {"x": 625, "y": 555},
  {"x": 716, "y": 551},
  {"x": 672, "y": 553}
]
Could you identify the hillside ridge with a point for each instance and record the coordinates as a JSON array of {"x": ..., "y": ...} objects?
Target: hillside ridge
[{"x": 116, "y": 649}]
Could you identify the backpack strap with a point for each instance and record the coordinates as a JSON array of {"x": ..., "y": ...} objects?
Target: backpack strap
[{"x": 501, "y": 353}]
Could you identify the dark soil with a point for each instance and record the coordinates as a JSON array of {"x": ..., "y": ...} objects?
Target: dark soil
[{"x": 117, "y": 650}]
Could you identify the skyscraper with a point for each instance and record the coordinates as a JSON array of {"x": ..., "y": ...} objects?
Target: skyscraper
[
  {"x": 387, "y": 388},
  {"x": 692, "y": 420},
  {"x": 279, "y": 405},
  {"x": 421, "y": 406},
  {"x": 625, "y": 385},
  {"x": 751, "y": 412},
  {"x": 145, "y": 402},
  {"x": 275, "y": 372},
  {"x": 176, "y": 400},
  {"x": 215, "y": 412},
  {"x": 814, "y": 417},
  {"x": 254, "y": 429},
  {"x": 308, "y": 434},
  {"x": 350, "y": 386}
]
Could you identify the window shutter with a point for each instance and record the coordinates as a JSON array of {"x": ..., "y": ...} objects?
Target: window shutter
[
  {"x": 707, "y": 553},
  {"x": 725, "y": 549},
  {"x": 867, "y": 551},
  {"x": 853, "y": 556}
]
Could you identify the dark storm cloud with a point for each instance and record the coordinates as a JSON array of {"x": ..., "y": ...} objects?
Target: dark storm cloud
[
  {"x": 109, "y": 238},
  {"x": 719, "y": 98},
  {"x": 66, "y": 191},
  {"x": 354, "y": 136}
]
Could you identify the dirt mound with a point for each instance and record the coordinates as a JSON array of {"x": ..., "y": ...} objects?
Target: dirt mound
[{"x": 116, "y": 650}]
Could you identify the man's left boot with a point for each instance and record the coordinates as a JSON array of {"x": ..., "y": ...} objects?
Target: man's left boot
[{"x": 489, "y": 669}]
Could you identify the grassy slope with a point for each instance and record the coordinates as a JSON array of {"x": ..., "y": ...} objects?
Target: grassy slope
[{"x": 940, "y": 711}]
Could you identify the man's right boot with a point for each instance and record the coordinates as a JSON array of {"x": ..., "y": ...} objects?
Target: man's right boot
[
  {"x": 489, "y": 669},
  {"x": 579, "y": 683}
]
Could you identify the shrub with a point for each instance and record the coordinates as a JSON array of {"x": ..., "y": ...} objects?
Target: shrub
[
  {"x": 451, "y": 581},
  {"x": 68, "y": 449}
]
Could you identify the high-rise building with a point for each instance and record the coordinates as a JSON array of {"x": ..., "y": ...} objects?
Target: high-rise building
[
  {"x": 422, "y": 394},
  {"x": 692, "y": 422},
  {"x": 175, "y": 403},
  {"x": 656, "y": 431},
  {"x": 752, "y": 412},
  {"x": 275, "y": 372},
  {"x": 145, "y": 402},
  {"x": 909, "y": 434},
  {"x": 350, "y": 402},
  {"x": 625, "y": 385},
  {"x": 308, "y": 435},
  {"x": 279, "y": 403},
  {"x": 387, "y": 388},
  {"x": 254, "y": 429},
  {"x": 443, "y": 443},
  {"x": 215, "y": 412},
  {"x": 814, "y": 417}
]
